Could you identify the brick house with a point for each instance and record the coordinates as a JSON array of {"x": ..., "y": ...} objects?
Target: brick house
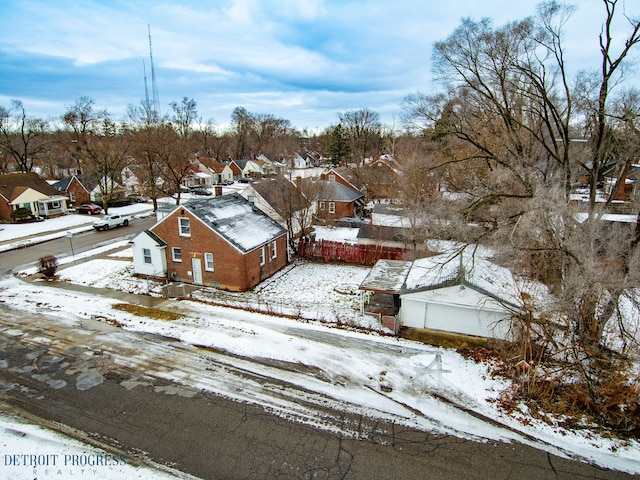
[
  {"x": 80, "y": 188},
  {"x": 223, "y": 242},
  {"x": 335, "y": 198},
  {"x": 28, "y": 190}
]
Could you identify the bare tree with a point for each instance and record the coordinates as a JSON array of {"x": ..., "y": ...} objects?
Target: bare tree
[
  {"x": 107, "y": 153},
  {"x": 364, "y": 129},
  {"x": 185, "y": 114},
  {"x": 172, "y": 152},
  {"x": 81, "y": 121},
  {"x": 504, "y": 128},
  {"x": 22, "y": 138}
]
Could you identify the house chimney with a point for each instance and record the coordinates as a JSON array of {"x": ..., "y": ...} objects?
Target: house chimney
[
  {"x": 218, "y": 191},
  {"x": 298, "y": 181}
]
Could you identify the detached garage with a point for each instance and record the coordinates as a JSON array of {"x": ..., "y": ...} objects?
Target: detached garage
[
  {"x": 458, "y": 294},
  {"x": 459, "y": 309},
  {"x": 464, "y": 295}
]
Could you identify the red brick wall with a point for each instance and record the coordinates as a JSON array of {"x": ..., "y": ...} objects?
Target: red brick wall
[
  {"x": 80, "y": 192},
  {"x": 5, "y": 209},
  {"x": 343, "y": 209},
  {"x": 233, "y": 270}
]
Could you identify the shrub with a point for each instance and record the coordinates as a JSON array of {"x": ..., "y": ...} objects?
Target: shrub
[
  {"x": 48, "y": 266},
  {"x": 21, "y": 213}
]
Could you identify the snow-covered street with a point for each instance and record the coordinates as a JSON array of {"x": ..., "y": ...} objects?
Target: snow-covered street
[{"x": 301, "y": 370}]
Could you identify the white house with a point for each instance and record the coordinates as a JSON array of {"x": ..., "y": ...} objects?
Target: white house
[{"x": 149, "y": 256}]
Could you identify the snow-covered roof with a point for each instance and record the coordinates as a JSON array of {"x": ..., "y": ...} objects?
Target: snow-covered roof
[
  {"x": 386, "y": 276},
  {"x": 441, "y": 271},
  {"x": 236, "y": 220},
  {"x": 464, "y": 269}
]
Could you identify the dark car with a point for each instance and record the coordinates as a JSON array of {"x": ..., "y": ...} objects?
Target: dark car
[
  {"x": 90, "y": 208},
  {"x": 244, "y": 180},
  {"x": 200, "y": 191},
  {"x": 31, "y": 219}
]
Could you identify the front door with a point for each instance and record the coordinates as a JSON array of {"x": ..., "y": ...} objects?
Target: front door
[{"x": 196, "y": 266}]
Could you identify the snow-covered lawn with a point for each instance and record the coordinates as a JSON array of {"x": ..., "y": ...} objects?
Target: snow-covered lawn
[{"x": 372, "y": 373}]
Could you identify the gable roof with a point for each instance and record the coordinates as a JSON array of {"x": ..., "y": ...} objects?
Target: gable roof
[
  {"x": 155, "y": 238},
  {"x": 13, "y": 184},
  {"x": 89, "y": 181},
  {"x": 236, "y": 220},
  {"x": 446, "y": 270},
  {"x": 336, "y": 191},
  {"x": 465, "y": 269},
  {"x": 274, "y": 192}
]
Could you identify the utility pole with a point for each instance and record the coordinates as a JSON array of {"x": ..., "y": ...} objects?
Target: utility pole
[{"x": 154, "y": 85}]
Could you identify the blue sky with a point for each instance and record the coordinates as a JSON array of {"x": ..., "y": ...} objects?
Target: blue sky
[{"x": 303, "y": 60}]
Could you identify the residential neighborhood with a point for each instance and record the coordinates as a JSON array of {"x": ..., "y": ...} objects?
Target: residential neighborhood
[{"x": 295, "y": 246}]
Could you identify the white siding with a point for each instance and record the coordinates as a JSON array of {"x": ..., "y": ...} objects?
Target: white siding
[
  {"x": 455, "y": 309},
  {"x": 158, "y": 265}
]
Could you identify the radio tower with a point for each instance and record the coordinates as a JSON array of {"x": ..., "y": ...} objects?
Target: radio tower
[{"x": 155, "y": 105}]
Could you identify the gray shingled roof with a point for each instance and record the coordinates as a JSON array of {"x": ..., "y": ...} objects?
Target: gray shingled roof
[
  {"x": 335, "y": 191},
  {"x": 236, "y": 220},
  {"x": 160, "y": 242}
]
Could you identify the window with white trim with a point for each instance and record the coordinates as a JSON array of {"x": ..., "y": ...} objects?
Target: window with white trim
[
  {"x": 72, "y": 197},
  {"x": 321, "y": 205},
  {"x": 146, "y": 253},
  {"x": 185, "y": 226},
  {"x": 176, "y": 254},
  {"x": 208, "y": 262},
  {"x": 274, "y": 251},
  {"x": 261, "y": 255},
  {"x": 332, "y": 207}
]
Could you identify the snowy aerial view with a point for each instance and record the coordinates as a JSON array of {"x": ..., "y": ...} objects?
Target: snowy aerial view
[
  {"x": 319, "y": 239},
  {"x": 352, "y": 364}
]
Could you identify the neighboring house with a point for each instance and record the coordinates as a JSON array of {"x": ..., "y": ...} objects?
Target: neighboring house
[
  {"x": 132, "y": 180},
  {"x": 28, "y": 190},
  {"x": 253, "y": 168},
  {"x": 269, "y": 167},
  {"x": 199, "y": 176},
  {"x": 381, "y": 178},
  {"x": 281, "y": 200},
  {"x": 629, "y": 184},
  {"x": 237, "y": 167},
  {"x": 463, "y": 294},
  {"x": 223, "y": 242},
  {"x": 81, "y": 188},
  {"x": 335, "y": 200},
  {"x": 85, "y": 188},
  {"x": 300, "y": 162},
  {"x": 222, "y": 174}
]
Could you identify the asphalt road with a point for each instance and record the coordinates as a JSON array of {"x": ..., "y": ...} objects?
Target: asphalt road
[
  {"x": 90, "y": 378},
  {"x": 71, "y": 376},
  {"x": 62, "y": 246}
]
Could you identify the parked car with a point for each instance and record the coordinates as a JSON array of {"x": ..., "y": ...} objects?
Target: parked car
[
  {"x": 244, "y": 180},
  {"x": 200, "y": 191},
  {"x": 90, "y": 208},
  {"x": 31, "y": 219}
]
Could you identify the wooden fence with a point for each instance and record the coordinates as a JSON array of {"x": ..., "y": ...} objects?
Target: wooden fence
[{"x": 348, "y": 252}]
